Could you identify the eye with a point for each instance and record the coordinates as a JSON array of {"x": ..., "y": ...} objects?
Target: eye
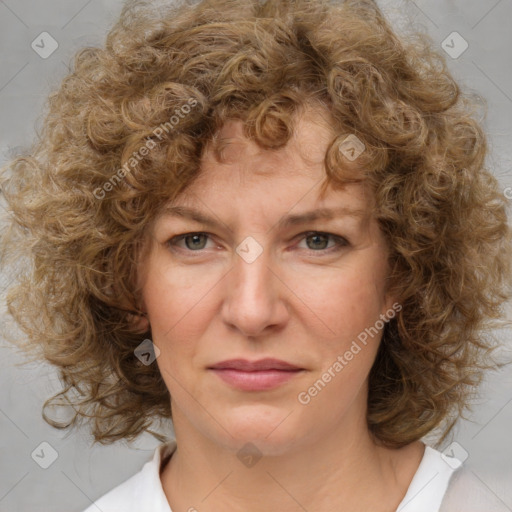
[
  {"x": 193, "y": 241},
  {"x": 319, "y": 241},
  {"x": 196, "y": 242}
]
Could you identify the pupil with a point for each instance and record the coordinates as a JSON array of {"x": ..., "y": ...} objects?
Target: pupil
[
  {"x": 195, "y": 239},
  {"x": 317, "y": 237}
]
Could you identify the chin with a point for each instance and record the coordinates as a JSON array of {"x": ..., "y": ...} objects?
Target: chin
[{"x": 267, "y": 428}]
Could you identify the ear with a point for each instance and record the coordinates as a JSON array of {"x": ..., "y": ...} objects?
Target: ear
[
  {"x": 136, "y": 317},
  {"x": 140, "y": 322},
  {"x": 391, "y": 306}
]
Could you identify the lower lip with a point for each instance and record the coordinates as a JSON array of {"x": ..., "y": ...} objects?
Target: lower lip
[{"x": 255, "y": 381}]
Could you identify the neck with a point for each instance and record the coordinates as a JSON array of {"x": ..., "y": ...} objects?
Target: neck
[{"x": 343, "y": 471}]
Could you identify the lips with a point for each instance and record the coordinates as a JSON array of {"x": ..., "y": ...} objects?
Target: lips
[
  {"x": 254, "y": 366},
  {"x": 262, "y": 375}
]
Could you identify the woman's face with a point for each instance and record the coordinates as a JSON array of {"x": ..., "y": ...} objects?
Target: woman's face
[{"x": 251, "y": 283}]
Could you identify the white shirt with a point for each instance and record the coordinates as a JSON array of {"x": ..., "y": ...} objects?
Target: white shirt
[{"x": 143, "y": 492}]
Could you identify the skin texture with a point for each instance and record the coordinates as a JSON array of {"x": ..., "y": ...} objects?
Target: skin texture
[
  {"x": 297, "y": 301},
  {"x": 123, "y": 137}
]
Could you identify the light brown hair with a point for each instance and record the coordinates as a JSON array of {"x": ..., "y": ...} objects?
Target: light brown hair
[{"x": 80, "y": 206}]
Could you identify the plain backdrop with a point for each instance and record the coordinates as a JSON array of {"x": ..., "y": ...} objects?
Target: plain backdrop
[{"x": 82, "y": 472}]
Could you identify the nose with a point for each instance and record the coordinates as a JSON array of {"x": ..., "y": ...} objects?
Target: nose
[{"x": 254, "y": 302}]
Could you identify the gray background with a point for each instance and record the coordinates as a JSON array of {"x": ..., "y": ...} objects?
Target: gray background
[{"x": 82, "y": 472}]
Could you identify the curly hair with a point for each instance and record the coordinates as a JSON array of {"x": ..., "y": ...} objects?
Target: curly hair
[{"x": 124, "y": 135}]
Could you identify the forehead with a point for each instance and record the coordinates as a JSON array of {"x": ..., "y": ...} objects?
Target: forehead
[
  {"x": 312, "y": 131},
  {"x": 243, "y": 181}
]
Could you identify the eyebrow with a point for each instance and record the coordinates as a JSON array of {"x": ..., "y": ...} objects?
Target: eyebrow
[{"x": 285, "y": 222}]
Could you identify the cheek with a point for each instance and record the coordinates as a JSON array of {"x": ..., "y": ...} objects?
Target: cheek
[
  {"x": 344, "y": 303},
  {"x": 173, "y": 330},
  {"x": 169, "y": 302},
  {"x": 175, "y": 298},
  {"x": 350, "y": 313}
]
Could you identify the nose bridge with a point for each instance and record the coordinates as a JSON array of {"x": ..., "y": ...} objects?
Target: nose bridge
[
  {"x": 252, "y": 272},
  {"x": 252, "y": 299}
]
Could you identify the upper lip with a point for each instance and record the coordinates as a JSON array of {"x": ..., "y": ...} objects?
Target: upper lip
[{"x": 252, "y": 366}]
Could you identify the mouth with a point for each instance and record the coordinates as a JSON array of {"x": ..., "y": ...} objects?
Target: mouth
[{"x": 261, "y": 375}]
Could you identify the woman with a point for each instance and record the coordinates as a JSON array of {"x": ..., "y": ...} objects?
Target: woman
[{"x": 270, "y": 222}]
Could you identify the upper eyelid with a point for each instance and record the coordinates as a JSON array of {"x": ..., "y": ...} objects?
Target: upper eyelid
[{"x": 163, "y": 221}]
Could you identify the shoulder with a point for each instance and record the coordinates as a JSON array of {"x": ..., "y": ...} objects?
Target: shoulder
[
  {"x": 467, "y": 492},
  {"x": 141, "y": 492},
  {"x": 443, "y": 483}
]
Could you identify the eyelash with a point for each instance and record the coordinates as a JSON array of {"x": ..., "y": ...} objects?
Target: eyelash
[{"x": 340, "y": 241}]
